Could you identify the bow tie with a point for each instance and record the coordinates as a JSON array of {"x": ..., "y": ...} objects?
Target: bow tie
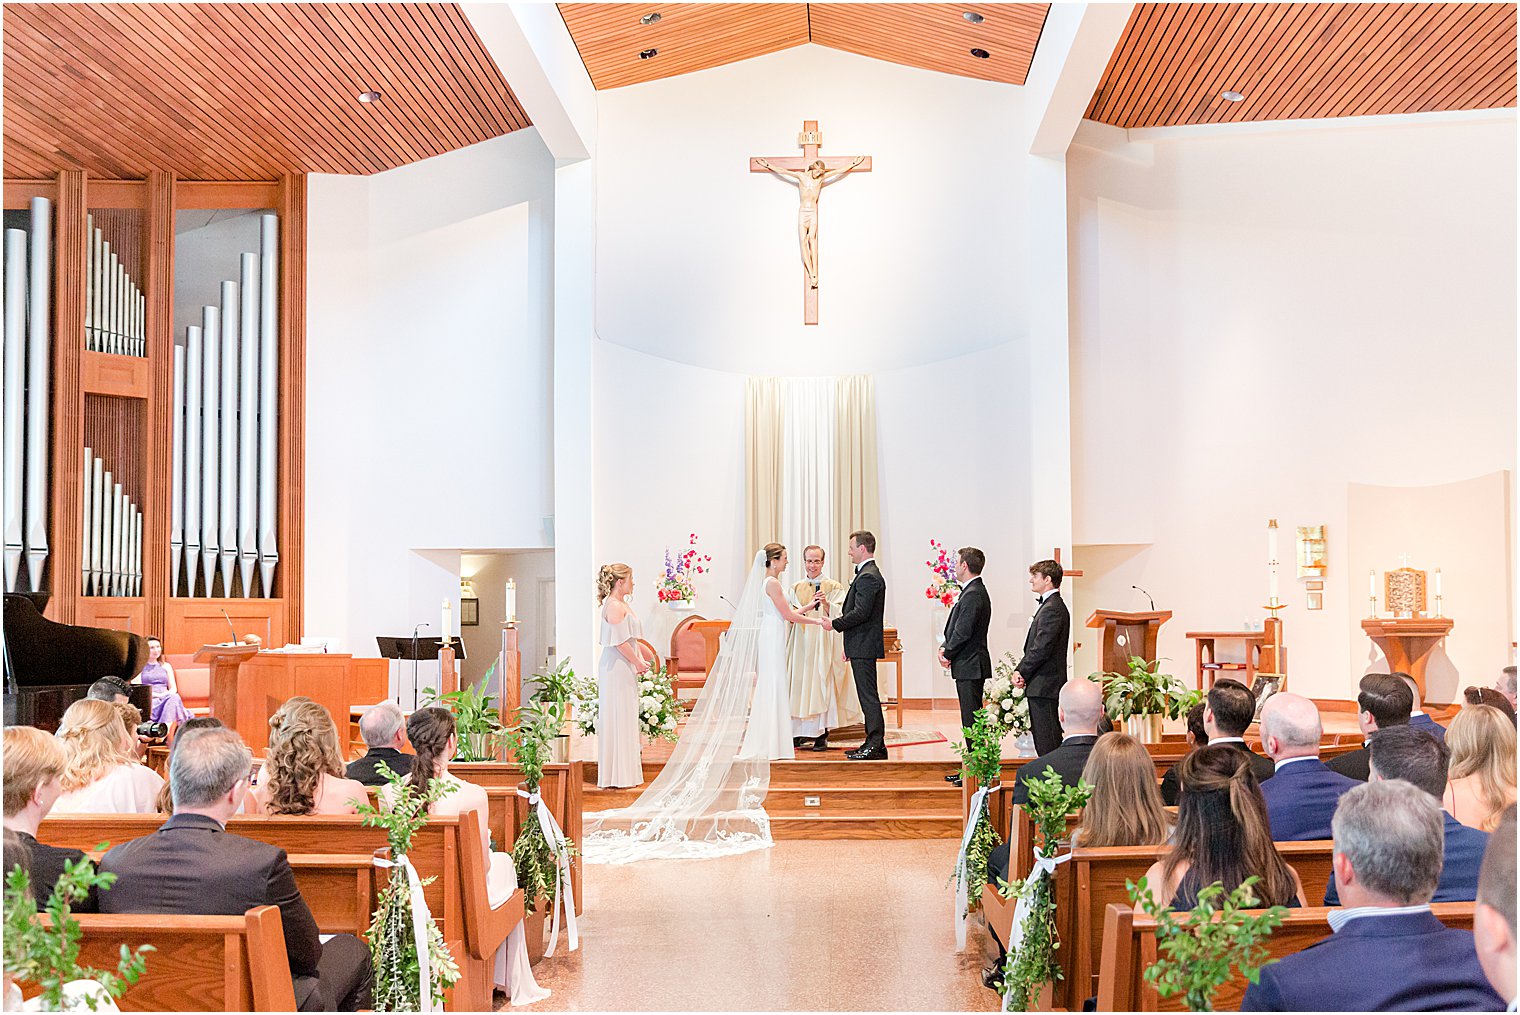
[{"x": 1039, "y": 600}]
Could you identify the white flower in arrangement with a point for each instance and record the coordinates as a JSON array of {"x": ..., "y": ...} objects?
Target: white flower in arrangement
[{"x": 1007, "y": 704}]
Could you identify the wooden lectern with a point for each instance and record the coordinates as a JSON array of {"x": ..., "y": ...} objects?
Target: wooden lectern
[
  {"x": 224, "y": 661},
  {"x": 1126, "y": 635},
  {"x": 1407, "y": 642}
]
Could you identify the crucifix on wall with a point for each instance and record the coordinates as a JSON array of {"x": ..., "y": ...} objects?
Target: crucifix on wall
[{"x": 811, "y": 173}]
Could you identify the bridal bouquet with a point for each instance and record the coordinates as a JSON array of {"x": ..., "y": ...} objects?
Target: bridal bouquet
[
  {"x": 1006, "y": 703},
  {"x": 943, "y": 586},
  {"x": 658, "y": 708},
  {"x": 678, "y": 584}
]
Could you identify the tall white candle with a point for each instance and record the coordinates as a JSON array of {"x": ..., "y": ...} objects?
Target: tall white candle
[
  {"x": 1272, "y": 562},
  {"x": 1372, "y": 584},
  {"x": 445, "y": 629},
  {"x": 511, "y": 600},
  {"x": 1438, "y": 582}
]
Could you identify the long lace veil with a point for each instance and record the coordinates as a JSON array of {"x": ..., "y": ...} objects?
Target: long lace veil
[{"x": 706, "y": 801}]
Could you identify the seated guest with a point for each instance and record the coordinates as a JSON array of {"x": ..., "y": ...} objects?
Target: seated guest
[
  {"x": 1505, "y": 685},
  {"x": 1417, "y": 715},
  {"x": 102, "y": 775},
  {"x": 1480, "y": 782},
  {"x": 1125, "y": 808},
  {"x": 109, "y": 689},
  {"x": 1403, "y": 752},
  {"x": 383, "y": 728},
  {"x": 34, "y": 764},
  {"x": 303, "y": 766},
  {"x": 1078, "y": 707},
  {"x": 433, "y": 733},
  {"x": 1488, "y": 696},
  {"x": 1387, "y": 952},
  {"x": 1494, "y": 916},
  {"x": 203, "y": 722},
  {"x": 191, "y": 866},
  {"x": 1382, "y": 701},
  {"x": 159, "y": 676},
  {"x": 1228, "y": 709},
  {"x": 1301, "y": 797},
  {"x": 1196, "y": 737},
  {"x": 1222, "y": 835}
]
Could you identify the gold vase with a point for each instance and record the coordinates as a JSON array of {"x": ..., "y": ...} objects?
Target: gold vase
[{"x": 1144, "y": 728}]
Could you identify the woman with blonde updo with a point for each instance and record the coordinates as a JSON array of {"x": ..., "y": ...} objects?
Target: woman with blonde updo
[
  {"x": 103, "y": 775},
  {"x": 303, "y": 767},
  {"x": 1482, "y": 772},
  {"x": 623, "y": 662}
]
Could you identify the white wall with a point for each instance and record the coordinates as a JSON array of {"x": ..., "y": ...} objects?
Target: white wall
[
  {"x": 1261, "y": 319},
  {"x": 489, "y": 572},
  {"x": 428, "y": 356}
]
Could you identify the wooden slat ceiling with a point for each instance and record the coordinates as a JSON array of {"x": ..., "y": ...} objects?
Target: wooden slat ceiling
[
  {"x": 243, "y": 91},
  {"x": 690, "y": 37},
  {"x": 1294, "y": 61}
]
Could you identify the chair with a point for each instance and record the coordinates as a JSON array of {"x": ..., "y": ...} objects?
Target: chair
[
  {"x": 688, "y": 654},
  {"x": 658, "y": 662}
]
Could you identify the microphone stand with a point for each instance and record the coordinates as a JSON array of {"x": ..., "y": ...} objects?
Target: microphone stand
[{"x": 415, "y": 649}]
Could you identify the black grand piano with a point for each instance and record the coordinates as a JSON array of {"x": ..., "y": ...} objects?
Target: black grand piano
[{"x": 49, "y": 666}]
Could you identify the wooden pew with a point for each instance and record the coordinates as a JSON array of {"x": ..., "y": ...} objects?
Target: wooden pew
[
  {"x": 200, "y": 963},
  {"x": 1099, "y": 881},
  {"x": 1130, "y": 947},
  {"x": 562, "y": 788}
]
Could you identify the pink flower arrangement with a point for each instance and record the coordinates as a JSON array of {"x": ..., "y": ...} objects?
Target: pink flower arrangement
[
  {"x": 679, "y": 581},
  {"x": 944, "y": 586}
]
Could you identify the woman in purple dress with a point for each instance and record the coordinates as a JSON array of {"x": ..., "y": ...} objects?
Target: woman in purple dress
[{"x": 159, "y": 675}]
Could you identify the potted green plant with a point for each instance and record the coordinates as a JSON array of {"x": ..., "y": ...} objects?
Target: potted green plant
[
  {"x": 559, "y": 686},
  {"x": 981, "y": 762},
  {"x": 540, "y": 855},
  {"x": 393, "y": 944},
  {"x": 1143, "y": 696},
  {"x": 477, "y": 720},
  {"x": 1195, "y": 954},
  {"x": 1030, "y": 975},
  {"x": 47, "y": 954}
]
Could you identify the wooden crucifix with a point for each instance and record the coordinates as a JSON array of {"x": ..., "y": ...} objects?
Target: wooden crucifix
[{"x": 811, "y": 173}]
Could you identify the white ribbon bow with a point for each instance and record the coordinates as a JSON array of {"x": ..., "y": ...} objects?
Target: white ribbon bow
[
  {"x": 563, "y": 898},
  {"x": 1044, "y": 867},
  {"x": 978, "y": 802},
  {"x": 420, "y": 920}
]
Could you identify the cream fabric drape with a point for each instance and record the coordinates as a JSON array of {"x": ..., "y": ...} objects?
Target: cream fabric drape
[
  {"x": 807, "y": 470},
  {"x": 857, "y": 502},
  {"x": 763, "y": 433}
]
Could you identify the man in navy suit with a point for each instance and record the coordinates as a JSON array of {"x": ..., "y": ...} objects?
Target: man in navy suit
[
  {"x": 1403, "y": 752},
  {"x": 1042, "y": 670},
  {"x": 1417, "y": 716},
  {"x": 1302, "y": 795},
  {"x": 1388, "y": 951},
  {"x": 1382, "y": 701},
  {"x": 1494, "y": 916}
]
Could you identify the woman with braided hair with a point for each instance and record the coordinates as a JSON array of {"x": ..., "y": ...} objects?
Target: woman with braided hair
[
  {"x": 1222, "y": 835},
  {"x": 433, "y": 733},
  {"x": 303, "y": 767},
  {"x": 623, "y": 662}
]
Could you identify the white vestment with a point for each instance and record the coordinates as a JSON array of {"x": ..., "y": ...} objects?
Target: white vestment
[{"x": 823, "y": 689}]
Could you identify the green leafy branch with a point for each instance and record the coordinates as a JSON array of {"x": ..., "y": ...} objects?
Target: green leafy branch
[
  {"x": 532, "y": 856},
  {"x": 1196, "y": 952},
  {"x": 981, "y": 760}
]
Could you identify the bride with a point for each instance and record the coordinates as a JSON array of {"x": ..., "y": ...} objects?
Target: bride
[{"x": 707, "y": 799}]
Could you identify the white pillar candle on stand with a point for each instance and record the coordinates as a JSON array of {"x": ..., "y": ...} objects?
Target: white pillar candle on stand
[
  {"x": 444, "y": 627},
  {"x": 1272, "y": 562},
  {"x": 511, "y": 600}
]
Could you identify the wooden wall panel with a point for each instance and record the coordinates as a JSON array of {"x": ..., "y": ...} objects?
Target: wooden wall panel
[
  {"x": 191, "y": 623},
  {"x": 1298, "y": 61},
  {"x": 67, "y": 459},
  {"x": 241, "y": 91},
  {"x": 159, "y": 289},
  {"x": 288, "y": 583},
  {"x": 114, "y": 613}
]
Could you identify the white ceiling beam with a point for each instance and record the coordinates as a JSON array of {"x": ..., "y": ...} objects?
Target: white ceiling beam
[{"x": 1075, "y": 46}]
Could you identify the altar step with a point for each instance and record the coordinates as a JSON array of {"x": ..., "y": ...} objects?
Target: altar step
[{"x": 835, "y": 771}]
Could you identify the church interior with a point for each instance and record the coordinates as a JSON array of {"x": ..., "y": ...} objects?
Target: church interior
[{"x": 348, "y": 345}]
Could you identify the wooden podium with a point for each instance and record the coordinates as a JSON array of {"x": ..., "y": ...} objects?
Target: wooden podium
[
  {"x": 1407, "y": 642},
  {"x": 1127, "y": 634},
  {"x": 225, "y": 682},
  {"x": 260, "y": 682}
]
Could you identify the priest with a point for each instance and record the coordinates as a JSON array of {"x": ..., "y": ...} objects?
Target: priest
[{"x": 823, "y": 691}]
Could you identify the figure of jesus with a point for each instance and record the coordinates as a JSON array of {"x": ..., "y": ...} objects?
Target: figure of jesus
[{"x": 810, "y": 184}]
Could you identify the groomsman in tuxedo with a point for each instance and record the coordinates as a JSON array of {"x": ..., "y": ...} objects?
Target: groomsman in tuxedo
[
  {"x": 965, "y": 649},
  {"x": 1042, "y": 671},
  {"x": 865, "y": 641}
]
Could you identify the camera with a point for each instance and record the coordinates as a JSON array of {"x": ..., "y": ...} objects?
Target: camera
[{"x": 152, "y": 730}]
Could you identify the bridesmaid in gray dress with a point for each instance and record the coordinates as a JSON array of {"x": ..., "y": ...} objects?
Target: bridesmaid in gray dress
[{"x": 623, "y": 662}]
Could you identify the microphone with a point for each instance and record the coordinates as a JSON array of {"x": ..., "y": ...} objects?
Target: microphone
[
  {"x": 1145, "y": 594},
  {"x": 230, "y": 627},
  {"x": 731, "y": 606}
]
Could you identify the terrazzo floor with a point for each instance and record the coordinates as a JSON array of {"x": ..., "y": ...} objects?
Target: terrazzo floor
[{"x": 805, "y": 926}]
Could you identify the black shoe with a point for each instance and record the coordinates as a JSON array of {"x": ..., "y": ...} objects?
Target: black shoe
[
  {"x": 954, "y": 778},
  {"x": 798, "y": 743},
  {"x": 992, "y": 978},
  {"x": 868, "y": 754},
  {"x": 822, "y": 743}
]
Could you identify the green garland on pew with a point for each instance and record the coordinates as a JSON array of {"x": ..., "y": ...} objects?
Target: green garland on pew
[
  {"x": 981, "y": 760},
  {"x": 49, "y": 956},
  {"x": 532, "y": 857},
  {"x": 1032, "y": 960},
  {"x": 1195, "y": 954},
  {"x": 392, "y": 943}
]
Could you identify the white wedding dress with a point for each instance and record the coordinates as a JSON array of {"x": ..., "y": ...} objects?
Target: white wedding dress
[{"x": 708, "y": 799}]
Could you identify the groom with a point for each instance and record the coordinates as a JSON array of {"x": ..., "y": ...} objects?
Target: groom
[{"x": 864, "y": 640}]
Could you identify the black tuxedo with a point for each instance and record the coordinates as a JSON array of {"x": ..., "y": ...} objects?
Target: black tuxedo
[
  {"x": 191, "y": 866},
  {"x": 1171, "y": 783},
  {"x": 367, "y": 769},
  {"x": 47, "y": 867},
  {"x": 864, "y": 643},
  {"x": 1043, "y": 668},
  {"x": 1068, "y": 759},
  {"x": 1355, "y": 764},
  {"x": 966, "y": 647}
]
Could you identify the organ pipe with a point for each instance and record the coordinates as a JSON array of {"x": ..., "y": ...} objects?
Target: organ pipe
[
  {"x": 97, "y": 500},
  {"x": 87, "y": 530},
  {"x": 15, "y": 432},
  {"x": 248, "y": 458},
  {"x": 38, "y": 323},
  {"x": 269, "y": 330},
  {"x": 177, "y": 483},
  {"x": 190, "y": 452},
  {"x": 116, "y": 310},
  {"x": 231, "y": 321},
  {"x": 211, "y": 337}
]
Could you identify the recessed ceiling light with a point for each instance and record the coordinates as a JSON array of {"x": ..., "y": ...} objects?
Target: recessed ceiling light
[
  {"x": 370, "y": 96},
  {"x": 650, "y": 18},
  {"x": 1231, "y": 96},
  {"x": 980, "y": 54},
  {"x": 973, "y": 17},
  {"x": 648, "y": 54}
]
